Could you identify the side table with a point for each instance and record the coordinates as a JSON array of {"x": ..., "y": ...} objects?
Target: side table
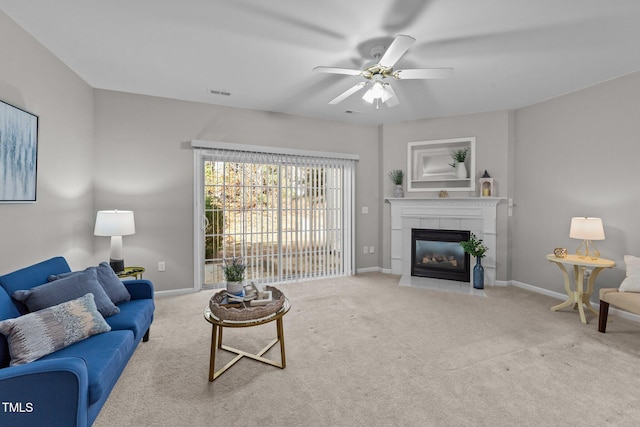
[
  {"x": 578, "y": 297},
  {"x": 131, "y": 272},
  {"x": 216, "y": 339}
]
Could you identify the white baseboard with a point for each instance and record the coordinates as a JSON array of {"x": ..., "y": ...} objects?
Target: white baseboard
[
  {"x": 373, "y": 270},
  {"x": 173, "y": 292},
  {"x": 369, "y": 270},
  {"x": 561, "y": 296}
]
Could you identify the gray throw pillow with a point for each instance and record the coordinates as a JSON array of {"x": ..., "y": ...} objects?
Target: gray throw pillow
[
  {"x": 112, "y": 284},
  {"x": 107, "y": 278},
  {"x": 66, "y": 289}
]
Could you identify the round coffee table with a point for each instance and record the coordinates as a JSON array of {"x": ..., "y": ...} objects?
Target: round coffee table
[{"x": 216, "y": 339}]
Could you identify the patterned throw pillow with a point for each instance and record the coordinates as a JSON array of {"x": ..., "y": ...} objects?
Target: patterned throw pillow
[{"x": 37, "y": 334}]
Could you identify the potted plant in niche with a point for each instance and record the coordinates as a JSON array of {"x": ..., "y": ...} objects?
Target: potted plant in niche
[
  {"x": 397, "y": 177},
  {"x": 233, "y": 270},
  {"x": 459, "y": 156},
  {"x": 476, "y": 247}
]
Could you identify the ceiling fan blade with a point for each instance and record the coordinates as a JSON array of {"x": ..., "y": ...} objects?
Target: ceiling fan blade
[
  {"x": 347, "y": 93},
  {"x": 337, "y": 70},
  {"x": 391, "y": 97},
  {"x": 398, "y": 47},
  {"x": 423, "y": 73}
]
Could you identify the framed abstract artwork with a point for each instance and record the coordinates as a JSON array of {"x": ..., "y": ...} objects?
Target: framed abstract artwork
[{"x": 18, "y": 154}]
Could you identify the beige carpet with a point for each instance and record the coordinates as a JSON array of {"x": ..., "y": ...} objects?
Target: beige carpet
[{"x": 362, "y": 351}]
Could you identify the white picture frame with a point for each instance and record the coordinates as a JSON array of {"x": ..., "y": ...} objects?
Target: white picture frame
[{"x": 429, "y": 165}]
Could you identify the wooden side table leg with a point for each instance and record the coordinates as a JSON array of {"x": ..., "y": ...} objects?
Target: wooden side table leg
[
  {"x": 567, "y": 287},
  {"x": 212, "y": 355},
  {"x": 590, "y": 283},
  {"x": 280, "y": 327},
  {"x": 579, "y": 277}
]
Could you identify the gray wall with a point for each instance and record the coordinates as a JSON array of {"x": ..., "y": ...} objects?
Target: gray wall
[
  {"x": 493, "y": 145},
  {"x": 577, "y": 155},
  {"x": 144, "y": 163},
  {"x": 61, "y": 221},
  {"x": 571, "y": 156}
]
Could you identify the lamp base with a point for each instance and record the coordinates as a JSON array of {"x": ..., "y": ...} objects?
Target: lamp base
[
  {"x": 117, "y": 265},
  {"x": 587, "y": 250}
]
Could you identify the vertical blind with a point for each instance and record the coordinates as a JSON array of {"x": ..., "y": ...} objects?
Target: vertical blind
[{"x": 288, "y": 216}]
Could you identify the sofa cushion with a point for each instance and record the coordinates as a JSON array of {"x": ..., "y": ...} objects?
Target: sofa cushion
[
  {"x": 107, "y": 278},
  {"x": 34, "y": 275},
  {"x": 37, "y": 334},
  {"x": 631, "y": 283},
  {"x": 66, "y": 289},
  {"x": 106, "y": 356},
  {"x": 135, "y": 316}
]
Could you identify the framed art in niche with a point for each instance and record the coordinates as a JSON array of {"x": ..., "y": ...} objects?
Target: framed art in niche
[{"x": 18, "y": 154}]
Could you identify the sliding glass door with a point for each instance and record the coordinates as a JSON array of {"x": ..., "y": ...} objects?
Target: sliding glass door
[{"x": 287, "y": 216}]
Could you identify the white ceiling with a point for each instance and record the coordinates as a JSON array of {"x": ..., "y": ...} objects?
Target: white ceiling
[{"x": 506, "y": 53}]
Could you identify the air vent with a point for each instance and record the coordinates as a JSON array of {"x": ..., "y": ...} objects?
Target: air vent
[{"x": 219, "y": 92}]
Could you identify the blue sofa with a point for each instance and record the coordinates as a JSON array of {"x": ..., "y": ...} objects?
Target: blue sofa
[{"x": 69, "y": 386}]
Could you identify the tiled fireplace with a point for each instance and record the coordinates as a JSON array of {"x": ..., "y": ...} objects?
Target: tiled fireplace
[{"x": 474, "y": 214}]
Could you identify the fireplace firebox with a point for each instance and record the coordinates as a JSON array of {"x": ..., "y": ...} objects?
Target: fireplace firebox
[{"x": 438, "y": 254}]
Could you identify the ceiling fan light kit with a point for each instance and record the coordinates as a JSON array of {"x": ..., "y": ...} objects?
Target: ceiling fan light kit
[{"x": 375, "y": 74}]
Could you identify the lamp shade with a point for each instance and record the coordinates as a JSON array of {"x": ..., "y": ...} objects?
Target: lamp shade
[
  {"x": 586, "y": 228},
  {"x": 114, "y": 223}
]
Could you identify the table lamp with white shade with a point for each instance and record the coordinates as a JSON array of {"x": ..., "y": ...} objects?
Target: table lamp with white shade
[
  {"x": 116, "y": 224},
  {"x": 587, "y": 229}
]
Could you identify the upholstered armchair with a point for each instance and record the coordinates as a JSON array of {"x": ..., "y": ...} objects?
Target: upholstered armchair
[
  {"x": 628, "y": 301},
  {"x": 626, "y": 297}
]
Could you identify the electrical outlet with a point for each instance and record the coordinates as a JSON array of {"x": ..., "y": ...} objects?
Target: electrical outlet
[
  {"x": 372, "y": 249},
  {"x": 365, "y": 209},
  {"x": 366, "y": 250},
  {"x": 161, "y": 266}
]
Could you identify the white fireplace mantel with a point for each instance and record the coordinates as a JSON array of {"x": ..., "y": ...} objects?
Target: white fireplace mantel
[{"x": 475, "y": 214}]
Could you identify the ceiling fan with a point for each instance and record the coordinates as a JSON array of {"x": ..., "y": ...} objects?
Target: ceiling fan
[{"x": 376, "y": 73}]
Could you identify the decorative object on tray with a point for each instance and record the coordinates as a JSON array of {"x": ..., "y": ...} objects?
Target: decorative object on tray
[
  {"x": 443, "y": 194},
  {"x": 486, "y": 185},
  {"x": 234, "y": 275},
  {"x": 560, "y": 252},
  {"x": 476, "y": 248},
  {"x": 261, "y": 304},
  {"x": 397, "y": 177},
  {"x": 459, "y": 156}
]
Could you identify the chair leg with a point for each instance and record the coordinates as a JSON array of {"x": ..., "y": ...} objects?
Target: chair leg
[
  {"x": 145, "y": 338},
  {"x": 604, "y": 313}
]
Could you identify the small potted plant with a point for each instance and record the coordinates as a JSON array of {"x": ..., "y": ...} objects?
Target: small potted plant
[
  {"x": 476, "y": 247},
  {"x": 233, "y": 270},
  {"x": 397, "y": 177},
  {"x": 459, "y": 156}
]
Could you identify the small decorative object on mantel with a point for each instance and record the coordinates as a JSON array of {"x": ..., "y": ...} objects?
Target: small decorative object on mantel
[
  {"x": 234, "y": 275},
  {"x": 486, "y": 185},
  {"x": 459, "y": 156},
  {"x": 397, "y": 177},
  {"x": 476, "y": 247},
  {"x": 560, "y": 252},
  {"x": 443, "y": 194}
]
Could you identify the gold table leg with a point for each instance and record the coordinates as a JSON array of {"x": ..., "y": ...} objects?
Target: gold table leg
[{"x": 216, "y": 342}]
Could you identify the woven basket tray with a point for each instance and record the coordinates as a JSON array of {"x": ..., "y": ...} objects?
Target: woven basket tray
[{"x": 223, "y": 312}]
